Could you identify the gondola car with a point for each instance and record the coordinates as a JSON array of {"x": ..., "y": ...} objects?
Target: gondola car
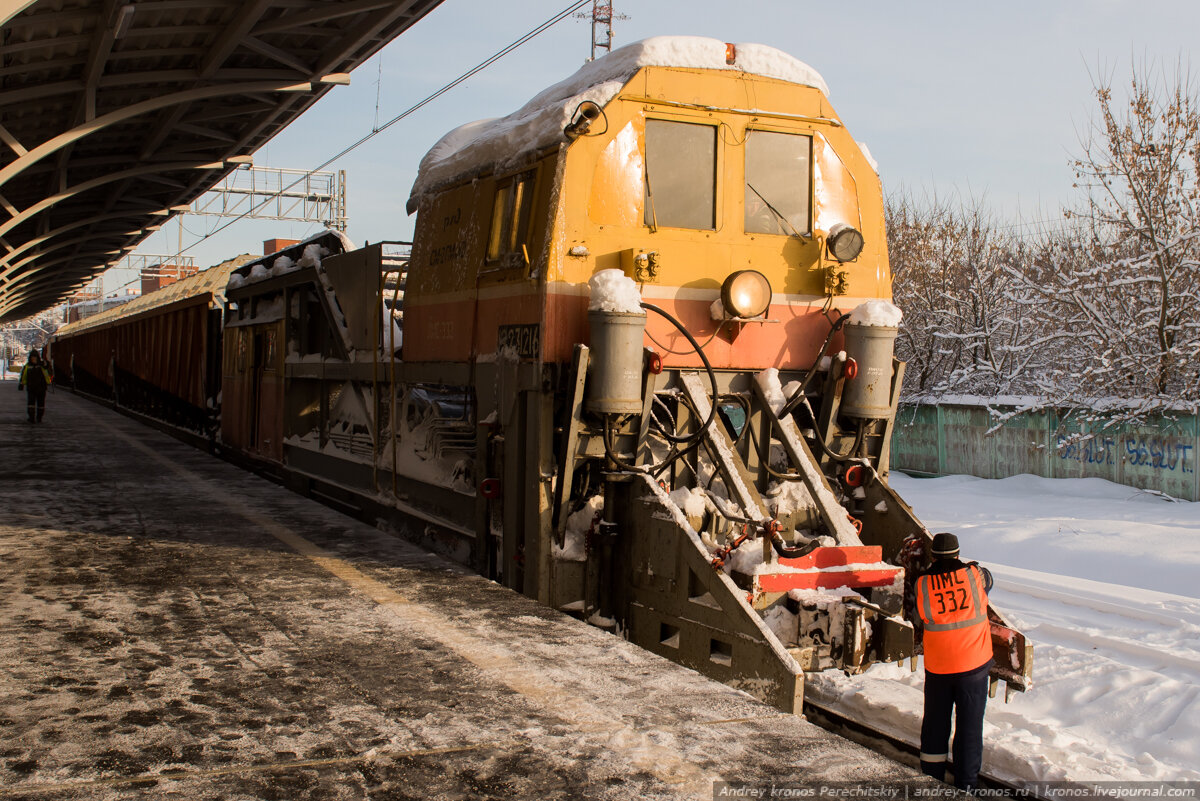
[{"x": 158, "y": 355}]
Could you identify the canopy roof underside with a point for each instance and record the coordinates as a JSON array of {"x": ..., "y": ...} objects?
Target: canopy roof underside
[{"x": 112, "y": 112}]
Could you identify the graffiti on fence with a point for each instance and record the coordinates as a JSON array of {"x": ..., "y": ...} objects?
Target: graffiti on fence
[
  {"x": 1154, "y": 452},
  {"x": 1159, "y": 454},
  {"x": 1090, "y": 451}
]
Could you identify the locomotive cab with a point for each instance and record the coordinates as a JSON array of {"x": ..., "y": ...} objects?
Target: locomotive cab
[{"x": 685, "y": 176}]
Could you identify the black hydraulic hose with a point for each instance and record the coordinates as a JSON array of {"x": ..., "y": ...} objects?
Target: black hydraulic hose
[
  {"x": 689, "y": 443},
  {"x": 833, "y": 329},
  {"x": 676, "y": 453},
  {"x": 654, "y": 416},
  {"x": 712, "y": 377},
  {"x": 673, "y": 456},
  {"x": 845, "y": 457},
  {"x": 788, "y": 552},
  {"x": 654, "y": 471},
  {"x": 859, "y": 436},
  {"x": 794, "y": 401},
  {"x": 612, "y": 456}
]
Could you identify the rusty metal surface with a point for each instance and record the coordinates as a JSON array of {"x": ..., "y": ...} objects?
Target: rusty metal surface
[
  {"x": 162, "y": 339},
  {"x": 210, "y": 282}
]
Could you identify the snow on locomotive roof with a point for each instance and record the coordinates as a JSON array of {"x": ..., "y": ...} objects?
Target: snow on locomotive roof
[{"x": 540, "y": 122}]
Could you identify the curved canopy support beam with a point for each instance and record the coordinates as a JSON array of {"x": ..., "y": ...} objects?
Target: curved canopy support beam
[
  {"x": 78, "y": 189},
  {"x": 57, "y": 232},
  {"x": 11, "y": 8},
  {"x": 146, "y": 106},
  {"x": 99, "y": 91},
  {"x": 31, "y": 291},
  {"x": 18, "y": 270}
]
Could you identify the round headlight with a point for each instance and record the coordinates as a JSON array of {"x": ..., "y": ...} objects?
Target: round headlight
[
  {"x": 746, "y": 293},
  {"x": 845, "y": 242}
]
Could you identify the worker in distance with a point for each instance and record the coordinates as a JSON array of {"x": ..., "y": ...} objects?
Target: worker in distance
[
  {"x": 35, "y": 378},
  {"x": 952, "y": 601}
]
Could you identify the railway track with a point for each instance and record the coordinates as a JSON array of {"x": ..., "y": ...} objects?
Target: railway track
[
  {"x": 1133, "y": 633},
  {"x": 896, "y": 748}
]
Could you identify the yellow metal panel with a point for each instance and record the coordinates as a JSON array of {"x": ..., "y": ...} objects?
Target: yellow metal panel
[
  {"x": 448, "y": 245},
  {"x": 604, "y": 175},
  {"x": 617, "y": 185}
]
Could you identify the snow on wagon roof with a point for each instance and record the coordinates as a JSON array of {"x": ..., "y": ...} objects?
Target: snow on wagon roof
[{"x": 540, "y": 121}]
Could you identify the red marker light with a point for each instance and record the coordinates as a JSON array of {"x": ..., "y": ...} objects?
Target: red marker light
[{"x": 854, "y": 475}]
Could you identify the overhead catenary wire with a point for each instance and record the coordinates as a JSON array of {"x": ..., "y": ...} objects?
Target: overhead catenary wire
[{"x": 378, "y": 129}]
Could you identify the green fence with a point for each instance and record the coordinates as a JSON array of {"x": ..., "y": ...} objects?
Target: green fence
[{"x": 1159, "y": 455}]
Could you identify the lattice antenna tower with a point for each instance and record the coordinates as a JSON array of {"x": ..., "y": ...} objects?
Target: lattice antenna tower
[{"x": 602, "y": 17}]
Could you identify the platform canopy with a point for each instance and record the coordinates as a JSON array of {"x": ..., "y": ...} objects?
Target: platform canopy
[{"x": 116, "y": 114}]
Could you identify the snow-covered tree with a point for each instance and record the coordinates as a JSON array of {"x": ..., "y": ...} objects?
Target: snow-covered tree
[
  {"x": 1102, "y": 312},
  {"x": 962, "y": 333},
  {"x": 1120, "y": 298}
]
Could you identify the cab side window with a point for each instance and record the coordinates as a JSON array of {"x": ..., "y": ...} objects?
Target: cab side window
[
  {"x": 778, "y": 183},
  {"x": 511, "y": 210},
  {"x": 681, "y": 175}
]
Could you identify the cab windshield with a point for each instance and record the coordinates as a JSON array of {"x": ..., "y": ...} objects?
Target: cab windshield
[
  {"x": 778, "y": 183},
  {"x": 681, "y": 166}
]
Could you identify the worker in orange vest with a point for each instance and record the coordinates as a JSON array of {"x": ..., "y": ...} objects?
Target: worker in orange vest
[{"x": 952, "y": 603}]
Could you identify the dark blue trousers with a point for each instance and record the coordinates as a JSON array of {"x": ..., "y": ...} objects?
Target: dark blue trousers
[
  {"x": 964, "y": 694},
  {"x": 36, "y": 404}
]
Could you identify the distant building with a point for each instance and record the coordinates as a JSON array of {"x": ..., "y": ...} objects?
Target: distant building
[
  {"x": 85, "y": 304},
  {"x": 275, "y": 245},
  {"x": 157, "y": 276}
]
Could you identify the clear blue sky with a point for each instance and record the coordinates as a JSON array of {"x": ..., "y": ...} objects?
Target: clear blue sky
[{"x": 982, "y": 100}]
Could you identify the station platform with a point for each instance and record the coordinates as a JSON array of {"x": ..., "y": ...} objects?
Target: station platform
[{"x": 174, "y": 627}]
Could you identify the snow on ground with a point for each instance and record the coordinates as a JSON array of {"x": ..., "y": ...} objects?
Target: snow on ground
[
  {"x": 1103, "y": 580},
  {"x": 1087, "y": 528}
]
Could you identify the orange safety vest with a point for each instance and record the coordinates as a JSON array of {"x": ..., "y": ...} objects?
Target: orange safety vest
[{"x": 953, "y": 608}]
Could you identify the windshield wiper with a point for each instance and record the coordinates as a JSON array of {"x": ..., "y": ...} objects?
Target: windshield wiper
[
  {"x": 650, "y": 200},
  {"x": 777, "y": 213}
]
